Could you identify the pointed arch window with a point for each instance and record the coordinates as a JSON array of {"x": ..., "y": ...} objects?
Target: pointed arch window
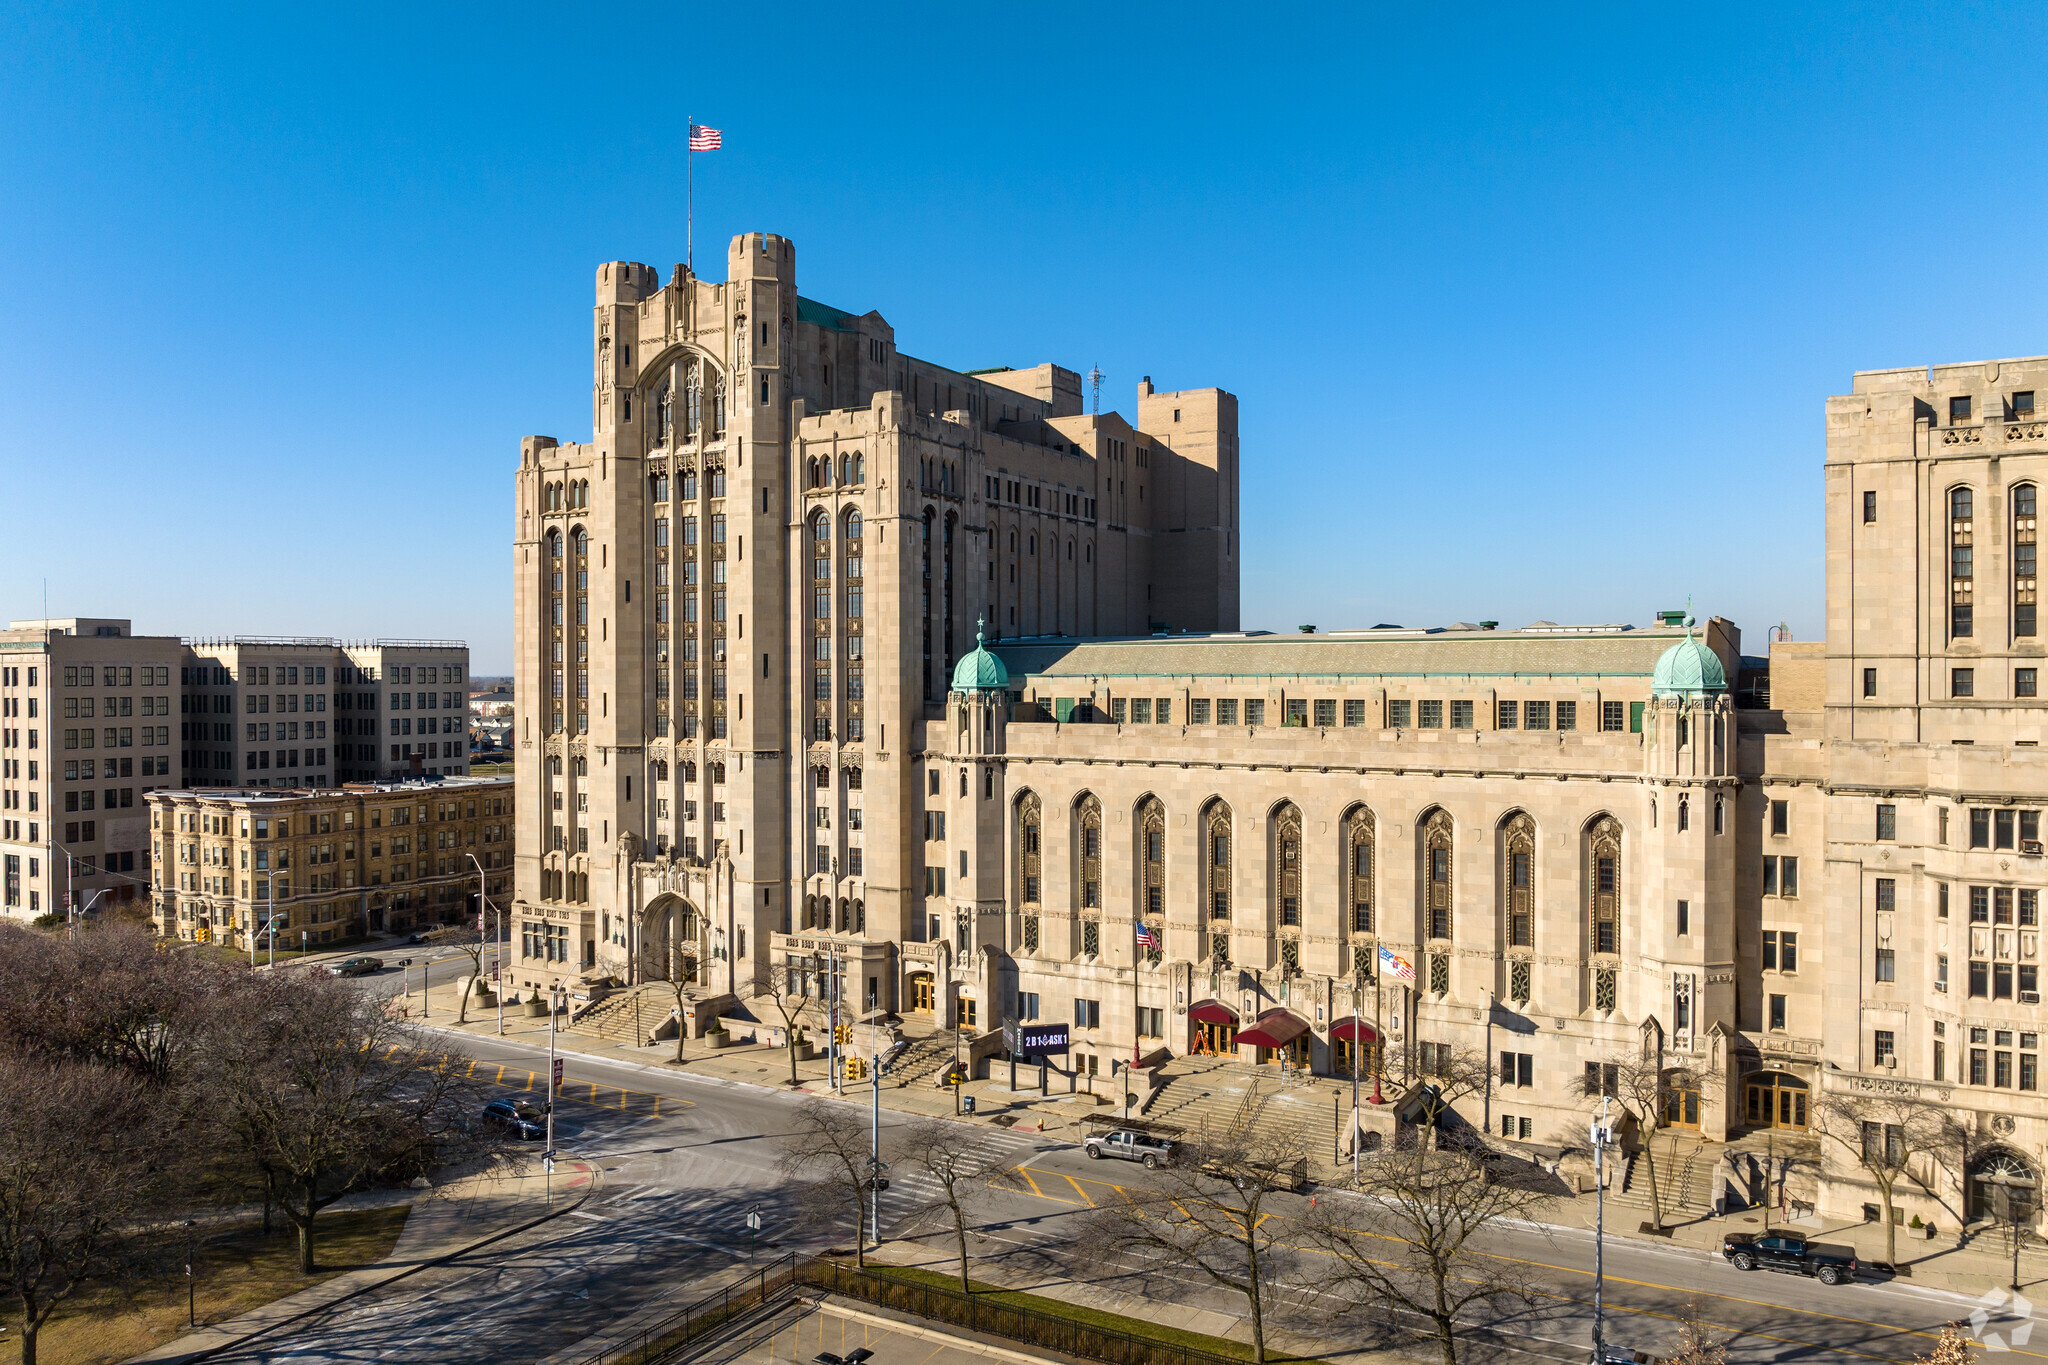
[
  {"x": 1152, "y": 854},
  {"x": 1436, "y": 861},
  {"x": 2024, "y": 601},
  {"x": 1603, "y": 886},
  {"x": 1287, "y": 864},
  {"x": 1358, "y": 886},
  {"x": 1029, "y": 840},
  {"x": 1089, "y": 820},
  {"x": 1961, "y": 562},
  {"x": 1519, "y": 884}
]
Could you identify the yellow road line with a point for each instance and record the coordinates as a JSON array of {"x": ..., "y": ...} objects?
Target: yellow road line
[{"x": 1078, "y": 1190}]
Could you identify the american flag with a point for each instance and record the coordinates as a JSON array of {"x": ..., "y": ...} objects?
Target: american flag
[
  {"x": 1146, "y": 938},
  {"x": 704, "y": 139},
  {"x": 1391, "y": 964}
]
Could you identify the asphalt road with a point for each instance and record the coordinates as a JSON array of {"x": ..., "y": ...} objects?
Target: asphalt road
[{"x": 685, "y": 1157}]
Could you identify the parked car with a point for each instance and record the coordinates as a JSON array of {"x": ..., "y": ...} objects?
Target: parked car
[
  {"x": 517, "y": 1117},
  {"x": 359, "y": 966},
  {"x": 1789, "y": 1254},
  {"x": 1128, "y": 1144},
  {"x": 416, "y": 938}
]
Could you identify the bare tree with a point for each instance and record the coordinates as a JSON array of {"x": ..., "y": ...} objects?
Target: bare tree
[
  {"x": 76, "y": 1155},
  {"x": 828, "y": 1150},
  {"x": 1435, "y": 1204},
  {"x": 783, "y": 988},
  {"x": 1950, "y": 1348},
  {"x": 1205, "y": 1212},
  {"x": 1697, "y": 1343},
  {"x": 321, "y": 1092},
  {"x": 1639, "y": 1085},
  {"x": 675, "y": 968},
  {"x": 1456, "y": 1074},
  {"x": 1889, "y": 1136},
  {"x": 964, "y": 1176},
  {"x": 471, "y": 940},
  {"x": 107, "y": 995}
]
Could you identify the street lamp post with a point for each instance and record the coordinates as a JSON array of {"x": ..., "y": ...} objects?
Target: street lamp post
[
  {"x": 1602, "y": 1135},
  {"x": 482, "y": 903},
  {"x": 191, "y": 1288}
]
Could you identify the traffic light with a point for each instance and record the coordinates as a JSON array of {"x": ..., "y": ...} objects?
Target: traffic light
[
  {"x": 856, "y": 1069},
  {"x": 203, "y": 934},
  {"x": 843, "y": 1035}
]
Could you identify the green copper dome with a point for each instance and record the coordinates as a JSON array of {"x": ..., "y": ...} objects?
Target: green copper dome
[
  {"x": 1689, "y": 669},
  {"x": 980, "y": 671}
]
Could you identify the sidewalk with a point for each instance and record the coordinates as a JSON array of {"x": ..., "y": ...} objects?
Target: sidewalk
[
  {"x": 1941, "y": 1264},
  {"x": 1024, "y": 1111},
  {"x": 468, "y": 1212}
]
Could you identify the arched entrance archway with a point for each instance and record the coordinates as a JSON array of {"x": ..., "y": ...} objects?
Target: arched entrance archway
[
  {"x": 923, "y": 993},
  {"x": 2004, "y": 1188},
  {"x": 1774, "y": 1099},
  {"x": 668, "y": 941}
]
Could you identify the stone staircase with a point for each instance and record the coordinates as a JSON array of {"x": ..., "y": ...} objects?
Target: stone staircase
[
  {"x": 1686, "y": 1172},
  {"x": 924, "y": 1057},
  {"x": 1217, "y": 1095},
  {"x": 612, "y": 1019}
]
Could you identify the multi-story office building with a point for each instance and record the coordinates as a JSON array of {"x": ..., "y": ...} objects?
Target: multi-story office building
[
  {"x": 283, "y": 711},
  {"x": 766, "y": 562},
  {"x": 325, "y": 865},
  {"x": 85, "y": 734},
  {"x": 759, "y": 724}
]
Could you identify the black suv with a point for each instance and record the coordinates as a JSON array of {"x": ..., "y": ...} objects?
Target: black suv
[{"x": 1790, "y": 1254}]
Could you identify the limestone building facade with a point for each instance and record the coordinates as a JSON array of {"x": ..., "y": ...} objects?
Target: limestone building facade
[{"x": 761, "y": 725}]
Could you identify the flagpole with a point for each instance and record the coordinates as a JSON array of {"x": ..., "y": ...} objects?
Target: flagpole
[
  {"x": 690, "y": 161},
  {"x": 1137, "y": 1045},
  {"x": 1379, "y": 1023}
]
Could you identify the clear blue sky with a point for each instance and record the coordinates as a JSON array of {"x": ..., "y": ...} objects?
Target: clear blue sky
[{"x": 1530, "y": 315}]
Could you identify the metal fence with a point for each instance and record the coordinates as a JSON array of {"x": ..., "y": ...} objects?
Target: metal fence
[
  {"x": 984, "y": 1313},
  {"x": 667, "y": 1338}
]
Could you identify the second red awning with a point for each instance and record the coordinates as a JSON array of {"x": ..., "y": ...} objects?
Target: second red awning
[
  {"x": 1212, "y": 1012},
  {"x": 1353, "y": 1029},
  {"x": 1276, "y": 1028}
]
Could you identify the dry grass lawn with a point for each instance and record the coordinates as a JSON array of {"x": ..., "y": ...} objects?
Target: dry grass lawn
[{"x": 239, "y": 1269}]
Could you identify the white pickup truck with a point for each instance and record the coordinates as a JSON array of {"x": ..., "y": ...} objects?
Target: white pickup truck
[{"x": 1128, "y": 1144}]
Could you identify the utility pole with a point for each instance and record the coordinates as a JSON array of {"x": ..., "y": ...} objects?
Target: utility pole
[
  {"x": 875, "y": 1164},
  {"x": 1602, "y": 1135},
  {"x": 483, "y": 902}
]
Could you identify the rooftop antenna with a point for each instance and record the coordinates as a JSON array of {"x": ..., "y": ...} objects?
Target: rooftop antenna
[{"x": 1095, "y": 384}]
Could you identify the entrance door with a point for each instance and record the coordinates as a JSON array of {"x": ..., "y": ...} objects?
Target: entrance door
[
  {"x": 2003, "y": 1188},
  {"x": 921, "y": 994},
  {"x": 1217, "y": 1038},
  {"x": 1681, "y": 1107},
  {"x": 1341, "y": 1054},
  {"x": 1774, "y": 1100}
]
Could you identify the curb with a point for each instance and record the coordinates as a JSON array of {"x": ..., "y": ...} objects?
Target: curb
[{"x": 207, "y": 1353}]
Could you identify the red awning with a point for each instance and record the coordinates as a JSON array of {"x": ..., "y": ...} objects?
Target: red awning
[
  {"x": 1276, "y": 1028},
  {"x": 1353, "y": 1029},
  {"x": 1212, "y": 1012}
]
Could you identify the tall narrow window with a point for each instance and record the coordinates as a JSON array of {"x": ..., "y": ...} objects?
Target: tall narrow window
[
  {"x": 1603, "y": 876},
  {"x": 1520, "y": 855},
  {"x": 1358, "y": 871},
  {"x": 1029, "y": 845},
  {"x": 1961, "y": 563},
  {"x": 2023, "y": 526},
  {"x": 1436, "y": 855},
  {"x": 1217, "y": 827},
  {"x": 1152, "y": 859},
  {"x": 1088, "y": 816},
  {"x": 1287, "y": 862}
]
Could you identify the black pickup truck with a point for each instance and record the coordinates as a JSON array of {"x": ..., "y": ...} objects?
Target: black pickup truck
[{"x": 1791, "y": 1254}]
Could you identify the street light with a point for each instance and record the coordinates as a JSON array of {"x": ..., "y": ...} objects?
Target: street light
[
  {"x": 191, "y": 1291},
  {"x": 482, "y": 903},
  {"x": 1602, "y": 1135}
]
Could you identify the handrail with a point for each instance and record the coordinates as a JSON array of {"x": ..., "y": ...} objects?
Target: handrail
[{"x": 663, "y": 1340}]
